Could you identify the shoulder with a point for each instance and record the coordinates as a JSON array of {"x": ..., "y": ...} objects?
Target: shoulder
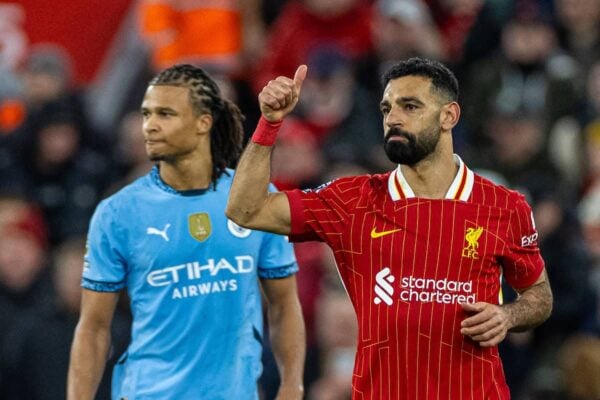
[
  {"x": 495, "y": 195},
  {"x": 348, "y": 192},
  {"x": 358, "y": 184},
  {"x": 124, "y": 196}
]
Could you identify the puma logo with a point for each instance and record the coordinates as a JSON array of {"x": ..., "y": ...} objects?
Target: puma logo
[{"x": 155, "y": 231}]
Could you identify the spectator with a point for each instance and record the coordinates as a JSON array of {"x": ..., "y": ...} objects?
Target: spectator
[
  {"x": 46, "y": 75},
  {"x": 517, "y": 149},
  {"x": 298, "y": 159},
  {"x": 36, "y": 353},
  {"x": 305, "y": 25},
  {"x": 574, "y": 138},
  {"x": 401, "y": 29},
  {"x": 454, "y": 19},
  {"x": 530, "y": 73},
  {"x": 215, "y": 35},
  {"x": 568, "y": 263},
  {"x": 579, "y": 30},
  {"x": 337, "y": 332},
  {"x": 340, "y": 114},
  {"x": 64, "y": 175},
  {"x": 589, "y": 214},
  {"x": 129, "y": 156},
  {"x": 592, "y": 156},
  {"x": 23, "y": 283}
]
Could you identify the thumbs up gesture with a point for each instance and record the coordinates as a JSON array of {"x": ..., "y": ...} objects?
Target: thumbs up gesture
[{"x": 279, "y": 97}]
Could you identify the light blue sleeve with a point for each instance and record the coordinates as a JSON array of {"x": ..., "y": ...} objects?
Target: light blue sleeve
[
  {"x": 276, "y": 259},
  {"x": 105, "y": 267}
]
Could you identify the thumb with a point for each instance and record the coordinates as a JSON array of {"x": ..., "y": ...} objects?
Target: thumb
[{"x": 299, "y": 77}]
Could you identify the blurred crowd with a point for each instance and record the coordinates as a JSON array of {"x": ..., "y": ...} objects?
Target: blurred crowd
[{"x": 530, "y": 94}]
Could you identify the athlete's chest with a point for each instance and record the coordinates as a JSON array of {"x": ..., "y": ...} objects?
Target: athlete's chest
[
  {"x": 434, "y": 253},
  {"x": 191, "y": 235},
  {"x": 428, "y": 237}
]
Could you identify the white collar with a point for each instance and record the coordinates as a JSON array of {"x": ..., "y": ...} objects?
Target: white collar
[{"x": 461, "y": 187}]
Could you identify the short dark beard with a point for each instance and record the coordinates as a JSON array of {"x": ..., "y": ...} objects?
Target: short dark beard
[
  {"x": 415, "y": 148},
  {"x": 168, "y": 158},
  {"x": 160, "y": 157}
]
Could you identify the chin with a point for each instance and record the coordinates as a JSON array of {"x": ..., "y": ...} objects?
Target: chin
[{"x": 155, "y": 157}]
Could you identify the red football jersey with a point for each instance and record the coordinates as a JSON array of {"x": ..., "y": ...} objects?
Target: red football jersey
[{"x": 407, "y": 263}]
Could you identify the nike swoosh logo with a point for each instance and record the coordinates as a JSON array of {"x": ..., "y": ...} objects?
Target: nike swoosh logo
[{"x": 375, "y": 234}]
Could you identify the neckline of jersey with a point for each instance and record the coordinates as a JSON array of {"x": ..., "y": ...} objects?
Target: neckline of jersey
[{"x": 157, "y": 180}]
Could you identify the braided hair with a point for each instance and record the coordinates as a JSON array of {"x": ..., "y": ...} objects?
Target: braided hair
[{"x": 227, "y": 132}]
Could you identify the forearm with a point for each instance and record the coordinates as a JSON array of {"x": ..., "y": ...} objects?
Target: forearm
[
  {"x": 249, "y": 191},
  {"x": 288, "y": 339},
  {"x": 531, "y": 308},
  {"x": 88, "y": 359}
]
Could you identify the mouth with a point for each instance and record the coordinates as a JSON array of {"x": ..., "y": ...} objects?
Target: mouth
[
  {"x": 397, "y": 139},
  {"x": 397, "y": 135},
  {"x": 150, "y": 142}
]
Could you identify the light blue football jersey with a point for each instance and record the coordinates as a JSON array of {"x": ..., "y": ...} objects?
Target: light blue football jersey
[{"x": 192, "y": 276}]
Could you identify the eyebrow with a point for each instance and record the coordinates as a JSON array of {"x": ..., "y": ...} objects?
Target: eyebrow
[
  {"x": 157, "y": 109},
  {"x": 407, "y": 99}
]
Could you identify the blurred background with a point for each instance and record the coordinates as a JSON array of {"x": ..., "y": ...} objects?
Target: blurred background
[{"x": 72, "y": 76}]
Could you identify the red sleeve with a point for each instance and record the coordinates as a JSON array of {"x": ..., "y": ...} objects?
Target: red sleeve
[
  {"x": 299, "y": 232},
  {"x": 322, "y": 213},
  {"x": 522, "y": 261}
]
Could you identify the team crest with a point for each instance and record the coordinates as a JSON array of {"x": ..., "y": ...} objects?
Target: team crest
[
  {"x": 237, "y": 230},
  {"x": 471, "y": 237},
  {"x": 199, "y": 226}
]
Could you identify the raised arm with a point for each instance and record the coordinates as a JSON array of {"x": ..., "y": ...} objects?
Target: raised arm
[
  {"x": 90, "y": 344},
  {"x": 250, "y": 204},
  {"x": 490, "y": 323},
  {"x": 287, "y": 333}
]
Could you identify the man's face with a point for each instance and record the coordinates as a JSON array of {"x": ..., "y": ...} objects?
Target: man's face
[
  {"x": 169, "y": 124},
  {"x": 411, "y": 119}
]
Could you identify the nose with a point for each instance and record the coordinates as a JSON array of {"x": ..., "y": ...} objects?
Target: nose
[
  {"x": 394, "y": 117},
  {"x": 150, "y": 124}
]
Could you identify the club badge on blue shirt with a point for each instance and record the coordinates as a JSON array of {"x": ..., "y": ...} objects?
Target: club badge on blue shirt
[{"x": 237, "y": 230}]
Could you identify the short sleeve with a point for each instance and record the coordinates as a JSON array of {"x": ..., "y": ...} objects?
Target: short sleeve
[
  {"x": 104, "y": 264},
  {"x": 522, "y": 261},
  {"x": 319, "y": 214},
  {"x": 276, "y": 258}
]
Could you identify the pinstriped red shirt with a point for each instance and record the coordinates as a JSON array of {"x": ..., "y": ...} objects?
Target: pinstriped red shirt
[{"x": 407, "y": 263}]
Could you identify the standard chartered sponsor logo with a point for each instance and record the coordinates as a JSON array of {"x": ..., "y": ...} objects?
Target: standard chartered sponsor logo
[
  {"x": 443, "y": 291},
  {"x": 423, "y": 290},
  {"x": 383, "y": 287},
  {"x": 190, "y": 273}
]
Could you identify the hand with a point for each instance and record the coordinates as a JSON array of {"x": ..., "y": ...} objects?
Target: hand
[
  {"x": 280, "y": 96},
  {"x": 488, "y": 325}
]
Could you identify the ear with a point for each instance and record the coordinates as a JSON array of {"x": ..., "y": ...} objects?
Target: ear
[
  {"x": 449, "y": 116},
  {"x": 204, "y": 123}
]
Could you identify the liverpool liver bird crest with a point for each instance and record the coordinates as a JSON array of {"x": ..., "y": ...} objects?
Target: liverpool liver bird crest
[{"x": 472, "y": 237}]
